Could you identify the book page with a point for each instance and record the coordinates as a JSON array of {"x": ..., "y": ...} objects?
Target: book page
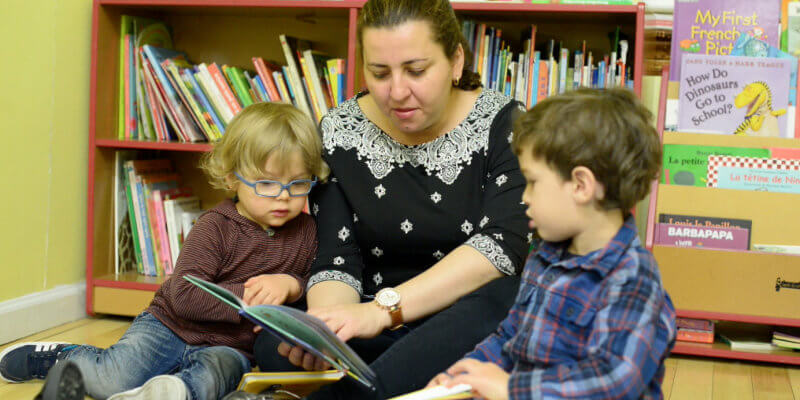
[{"x": 217, "y": 291}]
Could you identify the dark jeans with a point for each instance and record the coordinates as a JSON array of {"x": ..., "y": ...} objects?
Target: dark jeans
[{"x": 407, "y": 359}]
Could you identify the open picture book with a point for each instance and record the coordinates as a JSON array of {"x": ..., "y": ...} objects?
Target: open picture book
[{"x": 298, "y": 328}]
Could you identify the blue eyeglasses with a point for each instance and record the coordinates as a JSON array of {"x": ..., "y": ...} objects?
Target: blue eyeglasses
[{"x": 266, "y": 188}]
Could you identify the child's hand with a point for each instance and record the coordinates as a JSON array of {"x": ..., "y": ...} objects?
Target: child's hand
[
  {"x": 488, "y": 381},
  {"x": 270, "y": 289}
]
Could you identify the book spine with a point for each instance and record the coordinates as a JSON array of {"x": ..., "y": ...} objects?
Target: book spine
[
  {"x": 310, "y": 88},
  {"x": 281, "y": 84},
  {"x": 266, "y": 77},
  {"x": 188, "y": 101},
  {"x": 130, "y": 195},
  {"x": 689, "y": 335},
  {"x": 212, "y": 91},
  {"x": 293, "y": 76},
  {"x": 163, "y": 239},
  {"x": 194, "y": 86},
  {"x": 224, "y": 89}
]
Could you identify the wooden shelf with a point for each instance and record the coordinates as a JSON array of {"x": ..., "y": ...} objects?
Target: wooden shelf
[
  {"x": 130, "y": 280},
  {"x": 722, "y": 350},
  {"x": 142, "y": 145}
]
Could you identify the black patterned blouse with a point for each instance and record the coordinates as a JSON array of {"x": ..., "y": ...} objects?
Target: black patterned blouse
[{"x": 390, "y": 211}]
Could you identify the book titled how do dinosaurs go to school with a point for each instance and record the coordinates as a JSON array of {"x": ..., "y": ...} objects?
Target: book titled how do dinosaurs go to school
[{"x": 735, "y": 95}]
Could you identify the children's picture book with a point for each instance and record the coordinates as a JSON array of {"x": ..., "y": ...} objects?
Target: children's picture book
[
  {"x": 713, "y": 222},
  {"x": 287, "y": 385},
  {"x": 701, "y": 236},
  {"x": 687, "y": 165},
  {"x": 759, "y": 174},
  {"x": 460, "y": 391},
  {"x": 734, "y": 95},
  {"x": 296, "y": 327},
  {"x": 711, "y": 27},
  {"x": 785, "y": 340}
]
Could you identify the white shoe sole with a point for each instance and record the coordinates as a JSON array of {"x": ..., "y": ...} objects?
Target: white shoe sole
[
  {"x": 9, "y": 349},
  {"x": 166, "y": 387}
]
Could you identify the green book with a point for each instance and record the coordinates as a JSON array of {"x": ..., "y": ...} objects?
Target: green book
[
  {"x": 687, "y": 165},
  {"x": 240, "y": 85}
]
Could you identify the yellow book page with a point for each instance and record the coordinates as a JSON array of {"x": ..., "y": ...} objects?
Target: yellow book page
[{"x": 461, "y": 391}]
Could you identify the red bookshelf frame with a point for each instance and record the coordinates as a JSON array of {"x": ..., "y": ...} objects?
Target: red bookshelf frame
[{"x": 98, "y": 143}]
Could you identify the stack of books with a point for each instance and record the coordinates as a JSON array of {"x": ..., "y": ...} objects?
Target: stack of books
[
  {"x": 695, "y": 330},
  {"x": 785, "y": 340},
  {"x": 164, "y": 97}
]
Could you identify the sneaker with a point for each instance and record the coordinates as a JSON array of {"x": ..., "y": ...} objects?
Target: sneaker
[
  {"x": 158, "y": 387},
  {"x": 25, "y": 361},
  {"x": 64, "y": 382}
]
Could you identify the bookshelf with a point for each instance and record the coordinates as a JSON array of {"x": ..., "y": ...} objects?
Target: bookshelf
[
  {"x": 735, "y": 287},
  {"x": 233, "y": 31}
]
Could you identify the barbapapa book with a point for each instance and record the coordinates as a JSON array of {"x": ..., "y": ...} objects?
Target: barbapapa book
[
  {"x": 702, "y": 236},
  {"x": 709, "y": 222},
  {"x": 299, "y": 328},
  {"x": 712, "y": 26},
  {"x": 687, "y": 165},
  {"x": 734, "y": 95}
]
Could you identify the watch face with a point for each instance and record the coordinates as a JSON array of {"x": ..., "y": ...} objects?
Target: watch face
[{"x": 388, "y": 297}]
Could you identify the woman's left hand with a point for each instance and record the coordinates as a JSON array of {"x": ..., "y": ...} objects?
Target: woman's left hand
[{"x": 362, "y": 320}]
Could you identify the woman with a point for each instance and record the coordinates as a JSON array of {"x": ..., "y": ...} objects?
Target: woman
[{"x": 423, "y": 208}]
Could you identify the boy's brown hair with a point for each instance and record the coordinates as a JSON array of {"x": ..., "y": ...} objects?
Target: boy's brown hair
[
  {"x": 258, "y": 132},
  {"x": 608, "y": 131}
]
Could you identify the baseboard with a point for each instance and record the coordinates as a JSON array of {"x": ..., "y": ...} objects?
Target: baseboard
[{"x": 40, "y": 311}]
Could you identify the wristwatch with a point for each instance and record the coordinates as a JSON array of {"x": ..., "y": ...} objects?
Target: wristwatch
[{"x": 389, "y": 300}]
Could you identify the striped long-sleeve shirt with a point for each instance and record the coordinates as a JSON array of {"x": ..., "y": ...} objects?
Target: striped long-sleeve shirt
[
  {"x": 597, "y": 326},
  {"x": 228, "y": 249}
]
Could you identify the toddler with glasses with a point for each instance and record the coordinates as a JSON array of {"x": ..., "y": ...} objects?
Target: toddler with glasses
[{"x": 187, "y": 344}]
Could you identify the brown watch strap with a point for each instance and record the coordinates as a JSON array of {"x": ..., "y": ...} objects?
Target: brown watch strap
[{"x": 396, "y": 313}]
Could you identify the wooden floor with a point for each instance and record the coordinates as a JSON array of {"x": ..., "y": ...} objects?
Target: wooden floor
[{"x": 686, "y": 378}]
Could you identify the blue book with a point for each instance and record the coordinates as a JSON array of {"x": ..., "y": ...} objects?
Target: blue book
[
  {"x": 289, "y": 85},
  {"x": 262, "y": 89},
  {"x": 534, "y": 84},
  {"x": 201, "y": 97}
]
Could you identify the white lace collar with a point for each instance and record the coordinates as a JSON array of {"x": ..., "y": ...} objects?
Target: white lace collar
[{"x": 347, "y": 127}]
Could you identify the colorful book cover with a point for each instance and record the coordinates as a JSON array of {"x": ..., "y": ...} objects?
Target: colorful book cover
[
  {"x": 759, "y": 174},
  {"x": 690, "y": 220},
  {"x": 749, "y": 46},
  {"x": 734, "y": 95},
  {"x": 691, "y": 335},
  {"x": 711, "y": 27},
  {"x": 687, "y": 165},
  {"x": 702, "y": 236}
]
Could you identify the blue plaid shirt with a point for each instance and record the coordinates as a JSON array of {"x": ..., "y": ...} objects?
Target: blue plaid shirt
[{"x": 594, "y": 326}]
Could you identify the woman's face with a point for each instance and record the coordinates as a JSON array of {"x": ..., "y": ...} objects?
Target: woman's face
[{"x": 408, "y": 74}]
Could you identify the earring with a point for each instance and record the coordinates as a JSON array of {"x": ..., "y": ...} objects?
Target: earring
[{"x": 455, "y": 81}]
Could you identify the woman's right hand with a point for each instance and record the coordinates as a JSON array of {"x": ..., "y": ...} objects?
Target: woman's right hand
[{"x": 300, "y": 358}]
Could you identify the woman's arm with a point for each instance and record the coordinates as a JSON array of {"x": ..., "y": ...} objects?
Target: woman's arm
[{"x": 331, "y": 293}]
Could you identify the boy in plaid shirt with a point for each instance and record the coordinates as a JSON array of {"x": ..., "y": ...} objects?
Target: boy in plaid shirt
[{"x": 591, "y": 318}]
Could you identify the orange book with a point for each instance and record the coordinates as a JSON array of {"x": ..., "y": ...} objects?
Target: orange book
[
  {"x": 544, "y": 81},
  {"x": 265, "y": 72},
  {"x": 222, "y": 84},
  {"x": 691, "y": 335}
]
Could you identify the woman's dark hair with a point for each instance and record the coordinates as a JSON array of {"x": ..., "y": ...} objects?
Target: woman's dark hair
[{"x": 441, "y": 19}]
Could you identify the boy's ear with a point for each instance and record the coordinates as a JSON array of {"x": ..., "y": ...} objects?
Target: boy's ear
[{"x": 586, "y": 187}]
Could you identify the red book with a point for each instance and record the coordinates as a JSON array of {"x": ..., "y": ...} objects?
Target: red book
[
  {"x": 691, "y": 335},
  {"x": 696, "y": 324},
  {"x": 222, "y": 84},
  {"x": 265, "y": 72}
]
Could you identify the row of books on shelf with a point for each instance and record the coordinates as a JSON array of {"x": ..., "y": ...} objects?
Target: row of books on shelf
[
  {"x": 530, "y": 75},
  {"x": 164, "y": 97},
  {"x": 160, "y": 213},
  {"x": 702, "y": 331}
]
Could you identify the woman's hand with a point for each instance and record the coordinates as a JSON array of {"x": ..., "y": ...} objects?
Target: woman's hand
[
  {"x": 300, "y": 358},
  {"x": 270, "y": 289},
  {"x": 488, "y": 381},
  {"x": 362, "y": 320}
]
